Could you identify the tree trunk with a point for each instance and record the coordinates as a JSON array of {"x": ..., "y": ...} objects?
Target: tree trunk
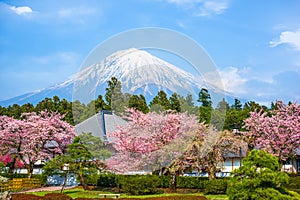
[
  {"x": 12, "y": 166},
  {"x": 172, "y": 185},
  {"x": 65, "y": 182},
  {"x": 82, "y": 181},
  {"x": 211, "y": 171},
  {"x": 29, "y": 170}
]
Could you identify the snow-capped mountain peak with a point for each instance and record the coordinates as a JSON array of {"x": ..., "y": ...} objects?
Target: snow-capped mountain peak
[{"x": 139, "y": 72}]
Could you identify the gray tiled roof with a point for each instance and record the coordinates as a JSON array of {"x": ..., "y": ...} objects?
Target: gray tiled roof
[{"x": 100, "y": 124}]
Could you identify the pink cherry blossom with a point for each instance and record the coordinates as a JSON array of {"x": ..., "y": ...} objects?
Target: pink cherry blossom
[
  {"x": 35, "y": 137},
  {"x": 277, "y": 132},
  {"x": 151, "y": 140}
]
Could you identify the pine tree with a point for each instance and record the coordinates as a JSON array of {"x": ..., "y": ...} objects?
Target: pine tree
[
  {"x": 161, "y": 99},
  {"x": 206, "y": 106},
  {"x": 174, "y": 102},
  {"x": 139, "y": 103}
]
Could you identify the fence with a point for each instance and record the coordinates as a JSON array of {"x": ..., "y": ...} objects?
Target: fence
[{"x": 18, "y": 184}]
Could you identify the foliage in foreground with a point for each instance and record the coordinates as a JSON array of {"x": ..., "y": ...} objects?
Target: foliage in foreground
[{"x": 259, "y": 178}]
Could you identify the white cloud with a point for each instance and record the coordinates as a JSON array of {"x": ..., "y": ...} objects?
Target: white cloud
[
  {"x": 230, "y": 79},
  {"x": 75, "y": 11},
  {"x": 288, "y": 37},
  {"x": 213, "y": 7},
  {"x": 21, "y": 10},
  {"x": 202, "y": 7}
]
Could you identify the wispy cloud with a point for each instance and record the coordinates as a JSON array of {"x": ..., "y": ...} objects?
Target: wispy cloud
[
  {"x": 212, "y": 8},
  {"x": 21, "y": 10},
  {"x": 230, "y": 79},
  {"x": 75, "y": 11},
  {"x": 202, "y": 8},
  {"x": 288, "y": 37}
]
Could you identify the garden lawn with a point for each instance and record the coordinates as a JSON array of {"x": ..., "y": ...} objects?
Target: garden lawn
[{"x": 80, "y": 193}]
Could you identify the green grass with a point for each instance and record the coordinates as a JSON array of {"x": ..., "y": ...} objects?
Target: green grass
[{"x": 78, "y": 192}]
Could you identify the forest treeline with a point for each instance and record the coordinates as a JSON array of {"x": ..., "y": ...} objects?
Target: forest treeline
[{"x": 223, "y": 116}]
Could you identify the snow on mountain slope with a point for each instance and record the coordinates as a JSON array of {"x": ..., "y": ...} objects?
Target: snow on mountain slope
[{"x": 139, "y": 72}]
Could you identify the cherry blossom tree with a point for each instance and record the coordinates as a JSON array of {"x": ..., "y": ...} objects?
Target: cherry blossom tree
[
  {"x": 209, "y": 149},
  {"x": 277, "y": 132},
  {"x": 34, "y": 137},
  {"x": 149, "y": 137},
  {"x": 152, "y": 141}
]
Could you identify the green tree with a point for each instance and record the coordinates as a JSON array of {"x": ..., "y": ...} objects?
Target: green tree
[
  {"x": 204, "y": 98},
  {"x": 95, "y": 146},
  {"x": 64, "y": 107},
  {"x": 205, "y": 107},
  {"x": 100, "y": 104},
  {"x": 78, "y": 110},
  {"x": 14, "y": 111},
  {"x": 80, "y": 156},
  {"x": 235, "y": 116},
  {"x": 161, "y": 99},
  {"x": 258, "y": 178},
  {"x": 58, "y": 166},
  {"x": 174, "y": 102},
  {"x": 187, "y": 105},
  {"x": 219, "y": 114},
  {"x": 77, "y": 160},
  {"x": 139, "y": 103},
  {"x": 113, "y": 92},
  {"x": 27, "y": 108},
  {"x": 237, "y": 105},
  {"x": 235, "y": 119},
  {"x": 46, "y": 104},
  {"x": 252, "y": 106}
]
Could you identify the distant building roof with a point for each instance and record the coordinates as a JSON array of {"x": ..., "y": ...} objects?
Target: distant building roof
[{"x": 100, "y": 124}]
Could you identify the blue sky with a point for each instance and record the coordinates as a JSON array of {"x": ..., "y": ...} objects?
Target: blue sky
[{"x": 255, "y": 44}]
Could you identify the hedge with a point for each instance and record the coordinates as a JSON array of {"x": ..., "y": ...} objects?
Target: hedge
[
  {"x": 216, "y": 186},
  {"x": 147, "y": 184},
  {"x": 294, "y": 184},
  {"x": 189, "y": 182},
  {"x": 139, "y": 185}
]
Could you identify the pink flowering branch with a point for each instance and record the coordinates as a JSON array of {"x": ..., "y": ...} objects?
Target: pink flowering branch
[{"x": 277, "y": 132}]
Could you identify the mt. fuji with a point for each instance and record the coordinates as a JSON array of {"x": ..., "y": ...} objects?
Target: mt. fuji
[{"x": 137, "y": 70}]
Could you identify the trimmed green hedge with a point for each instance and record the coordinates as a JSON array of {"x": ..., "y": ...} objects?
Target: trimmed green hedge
[
  {"x": 147, "y": 184},
  {"x": 189, "y": 182},
  {"x": 139, "y": 185},
  {"x": 216, "y": 186}
]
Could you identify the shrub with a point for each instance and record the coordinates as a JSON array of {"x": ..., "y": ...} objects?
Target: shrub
[
  {"x": 191, "y": 182},
  {"x": 216, "y": 186},
  {"x": 259, "y": 178},
  {"x": 108, "y": 180},
  {"x": 164, "y": 181},
  {"x": 139, "y": 185},
  {"x": 92, "y": 179},
  {"x": 293, "y": 184}
]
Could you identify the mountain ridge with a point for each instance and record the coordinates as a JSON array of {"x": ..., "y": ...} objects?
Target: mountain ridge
[{"x": 139, "y": 72}]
